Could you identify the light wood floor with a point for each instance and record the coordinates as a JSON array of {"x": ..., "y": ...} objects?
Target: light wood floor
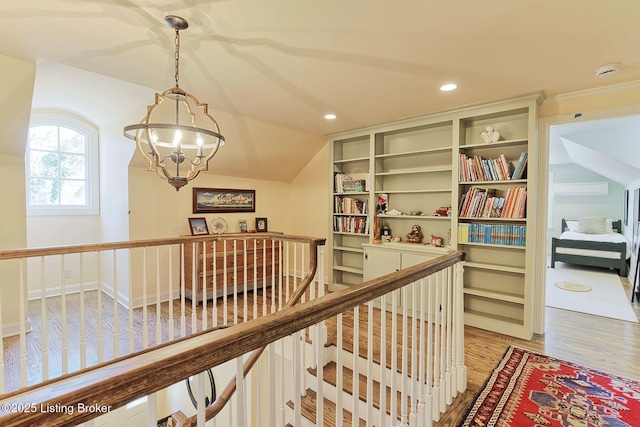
[{"x": 600, "y": 343}]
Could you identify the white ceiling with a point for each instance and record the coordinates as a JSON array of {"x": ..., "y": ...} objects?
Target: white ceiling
[
  {"x": 289, "y": 62},
  {"x": 608, "y": 147}
]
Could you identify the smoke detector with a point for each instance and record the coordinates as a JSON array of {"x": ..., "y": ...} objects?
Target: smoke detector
[{"x": 605, "y": 70}]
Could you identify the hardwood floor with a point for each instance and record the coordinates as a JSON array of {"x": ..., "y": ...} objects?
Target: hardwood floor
[
  {"x": 600, "y": 343},
  {"x": 597, "y": 342}
]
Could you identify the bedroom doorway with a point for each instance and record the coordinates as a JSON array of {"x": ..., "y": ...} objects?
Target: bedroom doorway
[{"x": 548, "y": 149}]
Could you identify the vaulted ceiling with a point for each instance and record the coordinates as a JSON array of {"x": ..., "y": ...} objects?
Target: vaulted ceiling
[{"x": 289, "y": 62}]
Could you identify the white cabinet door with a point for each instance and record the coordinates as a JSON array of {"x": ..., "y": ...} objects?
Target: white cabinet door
[{"x": 378, "y": 262}]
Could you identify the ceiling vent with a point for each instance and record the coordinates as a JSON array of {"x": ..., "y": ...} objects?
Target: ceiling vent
[{"x": 605, "y": 70}]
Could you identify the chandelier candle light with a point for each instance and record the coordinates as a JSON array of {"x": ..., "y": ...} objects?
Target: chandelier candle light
[{"x": 178, "y": 137}]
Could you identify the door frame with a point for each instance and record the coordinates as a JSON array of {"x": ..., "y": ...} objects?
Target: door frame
[{"x": 540, "y": 257}]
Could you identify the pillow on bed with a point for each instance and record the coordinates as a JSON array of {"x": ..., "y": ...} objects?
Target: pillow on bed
[
  {"x": 592, "y": 225},
  {"x": 573, "y": 226},
  {"x": 608, "y": 227}
]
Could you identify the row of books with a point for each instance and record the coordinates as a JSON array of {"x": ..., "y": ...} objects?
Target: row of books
[
  {"x": 351, "y": 224},
  {"x": 478, "y": 169},
  {"x": 494, "y": 234},
  {"x": 349, "y": 205},
  {"x": 486, "y": 203},
  {"x": 501, "y": 169},
  {"x": 346, "y": 184}
]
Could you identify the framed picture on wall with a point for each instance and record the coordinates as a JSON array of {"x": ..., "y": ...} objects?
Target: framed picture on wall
[
  {"x": 219, "y": 200},
  {"x": 198, "y": 226},
  {"x": 261, "y": 225}
]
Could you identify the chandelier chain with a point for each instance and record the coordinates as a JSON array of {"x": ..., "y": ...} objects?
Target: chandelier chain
[{"x": 177, "y": 55}]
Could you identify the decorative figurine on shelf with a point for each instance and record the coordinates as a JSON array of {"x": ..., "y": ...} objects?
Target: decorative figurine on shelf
[
  {"x": 376, "y": 230},
  {"x": 436, "y": 241},
  {"x": 443, "y": 211},
  {"x": 397, "y": 239},
  {"x": 489, "y": 135},
  {"x": 415, "y": 235},
  {"x": 386, "y": 233}
]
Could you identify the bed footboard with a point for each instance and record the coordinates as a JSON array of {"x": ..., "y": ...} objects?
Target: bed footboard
[{"x": 619, "y": 262}]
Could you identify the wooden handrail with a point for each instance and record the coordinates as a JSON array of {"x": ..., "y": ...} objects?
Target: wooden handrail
[
  {"x": 222, "y": 399},
  {"x": 95, "y": 247},
  {"x": 115, "y": 384}
]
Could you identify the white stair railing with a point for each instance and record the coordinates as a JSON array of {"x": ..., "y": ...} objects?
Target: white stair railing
[{"x": 426, "y": 316}]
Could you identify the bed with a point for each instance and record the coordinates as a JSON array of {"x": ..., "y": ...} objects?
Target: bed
[{"x": 610, "y": 249}]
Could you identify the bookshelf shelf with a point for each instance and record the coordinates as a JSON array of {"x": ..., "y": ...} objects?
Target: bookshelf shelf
[{"x": 427, "y": 164}]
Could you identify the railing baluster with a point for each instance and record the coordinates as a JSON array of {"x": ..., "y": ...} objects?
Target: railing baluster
[
  {"x": 461, "y": 369},
  {"x": 183, "y": 287},
  {"x": 145, "y": 323},
  {"x": 158, "y": 299},
  {"x": 100, "y": 311},
  {"x": 245, "y": 273},
  {"x": 422, "y": 381},
  {"x": 43, "y": 325},
  {"x": 383, "y": 361},
  {"x": 152, "y": 406},
  {"x": 370, "y": 365},
  {"x": 255, "y": 280},
  {"x": 158, "y": 309},
  {"x": 116, "y": 317},
  {"x": 204, "y": 286},
  {"x": 430, "y": 413},
  {"x": 214, "y": 284},
  {"x": 171, "y": 320},
  {"x": 200, "y": 387},
  {"x": 240, "y": 393},
  {"x": 320, "y": 378},
  {"x": 394, "y": 358},
  {"x": 355, "y": 383},
  {"x": 194, "y": 288},
  {"x": 272, "y": 379},
  {"x": 404, "y": 358},
  {"x": 235, "y": 282},
  {"x": 295, "y": 380},
  {"x": 443, "y": 362},
  {"x": 436, "y": 351},
  {"x": 225, "y": 282},
  {"x": 414, "y": 354},
  {"x": 339, "y": 371},
  {"x": 448, "y": 344},
  {"x": 63, "y": 296},
  {"x": 83, "y": 326},
  {"x": 265, "y": 293},
  {"x": 130, "y": 308}
]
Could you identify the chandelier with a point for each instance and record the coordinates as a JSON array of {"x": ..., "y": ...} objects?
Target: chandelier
[{"x": 177, "y": 137}]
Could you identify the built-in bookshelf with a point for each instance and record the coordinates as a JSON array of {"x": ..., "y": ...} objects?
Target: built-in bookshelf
[
  {"x": 443, "y": 173},
  {"x": 351, "y": 220}
]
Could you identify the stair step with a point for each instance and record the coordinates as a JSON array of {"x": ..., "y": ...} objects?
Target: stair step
[
  {"x": 330, "y": 372},
  {"x": 309, "y": 411}
]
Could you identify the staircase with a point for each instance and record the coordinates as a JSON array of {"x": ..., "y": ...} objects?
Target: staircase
[{"x": 381, "y": 396}]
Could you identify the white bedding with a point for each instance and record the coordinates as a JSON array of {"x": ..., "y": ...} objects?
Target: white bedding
[{"x": 608, "y": 237}]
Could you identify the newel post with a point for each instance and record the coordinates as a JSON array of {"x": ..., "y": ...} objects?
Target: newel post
[{"x": 458, "y": 312}]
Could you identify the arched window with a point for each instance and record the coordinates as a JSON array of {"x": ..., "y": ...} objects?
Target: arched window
[{"x": 62, "y": 165}]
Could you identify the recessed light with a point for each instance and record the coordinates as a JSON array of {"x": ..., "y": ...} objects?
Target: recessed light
[
  {"x": 330, "y": 116},
  {"x": 448, "y": 87}
]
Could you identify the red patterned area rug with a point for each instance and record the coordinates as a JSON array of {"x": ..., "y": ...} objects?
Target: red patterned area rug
[{"x": 532, "y": 390}]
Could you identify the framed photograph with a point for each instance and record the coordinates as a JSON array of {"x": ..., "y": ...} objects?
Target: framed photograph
[
  {"x": 198, "y": 226},
  {"x": 218, "y": 200},
  {"x": 261, "y": 225},
  {"x": 242, "y": 226}
]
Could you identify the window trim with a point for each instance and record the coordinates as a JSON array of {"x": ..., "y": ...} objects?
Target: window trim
[{"x": 71, "y": 121}]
